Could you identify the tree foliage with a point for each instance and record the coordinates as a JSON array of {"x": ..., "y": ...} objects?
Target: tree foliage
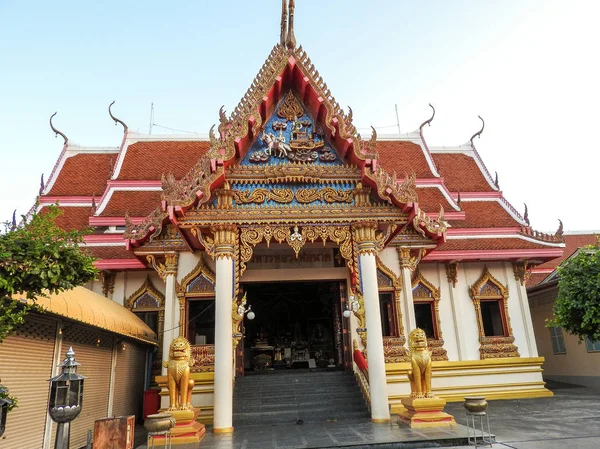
[
  {"x": 577, "y": 308},
  {"x": 36, "y": 259}
]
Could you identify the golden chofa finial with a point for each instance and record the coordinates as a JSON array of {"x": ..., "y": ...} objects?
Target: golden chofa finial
[
  {"x": 283, "y": 37},
  {"x": 291, "y": 39}
]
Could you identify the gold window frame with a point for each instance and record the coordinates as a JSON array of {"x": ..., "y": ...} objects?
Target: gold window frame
[
  {"x": 429, "y": 293},
  {"x": 488, "y": 288}
]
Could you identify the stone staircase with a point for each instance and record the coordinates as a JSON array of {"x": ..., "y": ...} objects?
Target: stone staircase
[{"x": 284, "y": 397}]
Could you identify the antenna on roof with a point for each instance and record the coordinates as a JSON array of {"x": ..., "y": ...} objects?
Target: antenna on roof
[
  {"x": 151, "y": 117},
  {"x": 56, "y": 131},
  {"x": 397, "y": 119},
  {"x": 116, "y": 119}
]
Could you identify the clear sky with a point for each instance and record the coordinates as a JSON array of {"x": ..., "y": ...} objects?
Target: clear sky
[{"x": 529, "y": 68}]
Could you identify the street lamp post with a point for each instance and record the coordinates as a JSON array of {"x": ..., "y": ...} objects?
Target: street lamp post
[{"x": 66, "y": 399}]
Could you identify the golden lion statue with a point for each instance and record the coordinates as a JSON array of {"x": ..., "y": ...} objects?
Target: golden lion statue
[
  {"x": 420, "y": 362},
  {"x": 178, "y": 375}
]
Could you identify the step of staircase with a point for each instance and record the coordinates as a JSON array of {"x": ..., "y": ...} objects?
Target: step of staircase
[{"x": 289, "y": 396}]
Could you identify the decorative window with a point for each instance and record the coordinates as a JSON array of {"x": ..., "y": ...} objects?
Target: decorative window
[
  {"x": 490, "y": 299},
  {"x": 558, "y": 342},
  {"x": 592, "y": 346},
  {"x": 426, "y": 298},
  {"x": 148, "y": 304},
  {"x": 196, "y": 295},
  {"x": 390, "y": 289},
  {"x": 146, "y": 298}
]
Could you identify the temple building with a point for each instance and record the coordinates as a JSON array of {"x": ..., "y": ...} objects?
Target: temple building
[{"x": 285, "y": 209}]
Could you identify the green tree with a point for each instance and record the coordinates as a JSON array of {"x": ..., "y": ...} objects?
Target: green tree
[
  {"x": 36, "y": 259},
  {"x": 577, "y": 308}
]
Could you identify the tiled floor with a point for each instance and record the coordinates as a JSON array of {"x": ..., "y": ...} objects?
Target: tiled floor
[{"x": 346, "y": 433}]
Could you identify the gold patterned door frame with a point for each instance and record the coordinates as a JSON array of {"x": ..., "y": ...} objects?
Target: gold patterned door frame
[
  {"x": 296, "y": 237},
  {"x": 488, "y": 288},
  {"x": 424, "y": 291},
  {"x": 197, "y": 284}
]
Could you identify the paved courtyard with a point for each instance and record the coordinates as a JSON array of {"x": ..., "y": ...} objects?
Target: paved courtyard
[{"x": 570, "y": 419}]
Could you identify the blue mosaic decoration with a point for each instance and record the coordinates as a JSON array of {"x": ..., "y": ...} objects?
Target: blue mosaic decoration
[{"x": 290, "y": 136}]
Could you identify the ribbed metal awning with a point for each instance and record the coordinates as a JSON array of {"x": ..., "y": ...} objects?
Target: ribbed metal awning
[{"x": 85, "y": 306}]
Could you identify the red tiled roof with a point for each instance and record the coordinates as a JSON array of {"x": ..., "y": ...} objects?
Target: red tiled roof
[
  {"x": 137, "y": 203},
  {"x": 72, "y": 218},
  {"x": 404, "y": 157},
  {"x": 110, "y": 252},
  {"x": 489, "y": 244},
  {"x": 149, "y": 160},
  {"x": 461, "y": 173},
  {"x": 430, "y": 199},
  {"x": 484, "y": 214},
  {"x": 84, "y": 174},
  {"x": 536, "y": 278},
  {"x": 572, "y": 243}
]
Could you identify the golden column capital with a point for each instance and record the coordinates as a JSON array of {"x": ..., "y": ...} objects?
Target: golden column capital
[
  {"x": 407, "y": 260},
  {"x": 171, "y": 260},
  {"x": 365, "y": 236},
  {"x": 225, "y": 240}
]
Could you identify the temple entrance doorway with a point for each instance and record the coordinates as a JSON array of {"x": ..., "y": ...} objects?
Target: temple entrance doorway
[{"x": 297, "y": 325}]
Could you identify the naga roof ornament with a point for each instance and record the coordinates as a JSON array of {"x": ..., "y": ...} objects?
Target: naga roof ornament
[
  {"x": 428, "y": 121},
  {"x": 478, "y": 133},
  {"x": 56, "y": 131},
  {"x": 116, "y": 119}
]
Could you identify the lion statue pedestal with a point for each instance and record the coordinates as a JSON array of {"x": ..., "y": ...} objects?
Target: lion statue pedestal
[
  {"x": 422, "y": 408},
  {"x": 187, "y": 430}
]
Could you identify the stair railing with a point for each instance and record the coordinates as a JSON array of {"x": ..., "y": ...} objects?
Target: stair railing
[{"x": 363, "y": 383}]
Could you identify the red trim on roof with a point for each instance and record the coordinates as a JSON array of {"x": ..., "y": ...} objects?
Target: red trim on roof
[
  {"x": 134, "y": 183},
  {"x": 64, "y": 200},
  {"x": 119, "y": 264},
  {"x": 104, "y": 238},
  {"x": 484, "y": 231},
  {"x": 508, "y": 254}
]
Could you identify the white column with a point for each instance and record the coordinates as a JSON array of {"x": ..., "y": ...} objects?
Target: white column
[
  {"x": 520, "y": 271},
  {"x": 225, "y": 240},
  {"x": 364, "y": 235},
  {"x": 171, "y": 305},
  {"x": 407, "y": 296}
]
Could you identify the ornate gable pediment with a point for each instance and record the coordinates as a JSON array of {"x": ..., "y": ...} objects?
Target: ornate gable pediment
[{"x": 287, "y": 120}]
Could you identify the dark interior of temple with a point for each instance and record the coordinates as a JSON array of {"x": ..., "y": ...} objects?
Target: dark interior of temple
[{"x": 294, "y": 324}]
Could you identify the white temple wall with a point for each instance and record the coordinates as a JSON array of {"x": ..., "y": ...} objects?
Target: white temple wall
[
  {"x": 133, "y": 280},
  {"x": 468, "y": 274},
  {"x": 436, "y": 274},
  {"x": 188, "y": 261},
  {"x": 119, "y": 291}
]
